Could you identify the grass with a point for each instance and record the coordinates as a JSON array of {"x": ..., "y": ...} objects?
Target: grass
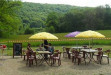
[
  {"x": 107, "y": 33},
  {"x": 61, "y": 42}
]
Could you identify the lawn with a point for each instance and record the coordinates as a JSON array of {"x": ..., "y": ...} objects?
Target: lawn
[
  {"x": 60, "y": 42},
  {"x": 107, "y": 33}
]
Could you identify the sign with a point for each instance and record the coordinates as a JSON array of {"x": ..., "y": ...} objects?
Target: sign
[{"x": 17, "y": 49}]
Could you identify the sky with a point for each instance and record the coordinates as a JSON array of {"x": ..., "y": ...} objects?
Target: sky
[{"x": 89, "y": 3}]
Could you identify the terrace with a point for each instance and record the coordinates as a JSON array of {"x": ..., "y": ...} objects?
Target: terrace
[{"x": 17, "y": 66}]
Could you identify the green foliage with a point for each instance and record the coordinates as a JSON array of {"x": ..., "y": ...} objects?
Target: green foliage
[
  {"x": 29, "y": 31},
  {"x": 33, "y": 15},
  {"x": 80, "y": 19},
  {"x": 65, "y": 18},
  {"x": 9, "y": 22},
  {"x": 52, "y": 21},
  {"x": 55, "y": 18}
]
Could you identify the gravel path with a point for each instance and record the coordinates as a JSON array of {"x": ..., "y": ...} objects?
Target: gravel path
[{"x": 17, "y": 66}]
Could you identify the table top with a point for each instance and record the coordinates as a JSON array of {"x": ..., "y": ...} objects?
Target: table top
[
  {"x": 89, "y": 50},
  {"x": 77, "y": 47},
  {"x": 43, "y": 52}
]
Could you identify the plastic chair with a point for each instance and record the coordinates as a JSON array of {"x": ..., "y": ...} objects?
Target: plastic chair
[
  {"x": 99, "y": 56},
  {"x": 107, "y": 56},
  {"x": 64, "y": 52},
  {"x": 68, "y": 52},
  {"x": 35, "y": 58},
  {"x": 56, "y": 56},
  {"x": 24, "y": 53},
  {"x": 99, "y": 49},
  {"x": 85, "y": 46},
  {"x": 77, "y": 56},
  {"x": 73, "y": 55},
  {"x": 31, "y": 58}
]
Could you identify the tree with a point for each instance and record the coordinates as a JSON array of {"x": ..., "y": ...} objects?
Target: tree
[
  {"x": 71, "y": 21},
  {"x": 107, "y": 17},
  {"x": 52, "y": 20},
  {"x": 9, "y": 21},
  {"x": 99, "y": 16},
  {"x": 89, "y": 19}
]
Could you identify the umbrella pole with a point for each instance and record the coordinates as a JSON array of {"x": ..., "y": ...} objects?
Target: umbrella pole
[
  {"x": 76, "y": 43},
  {"x": 89, "y": 43},
  {"x": 92, "y": 42},
  {"x": 43, "y": 45}
]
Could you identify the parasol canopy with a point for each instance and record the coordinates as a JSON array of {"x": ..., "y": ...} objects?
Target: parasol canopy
[
  {"x": 90, "y": 34},
  {"x": 43, "y": 36},
  {"x": 72, "y": 34}
]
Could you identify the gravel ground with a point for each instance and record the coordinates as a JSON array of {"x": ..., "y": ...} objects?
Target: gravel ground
[{"x": 16, "y": 66}]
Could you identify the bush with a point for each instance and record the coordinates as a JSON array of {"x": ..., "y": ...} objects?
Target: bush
[{"x": 29, "y": 31}]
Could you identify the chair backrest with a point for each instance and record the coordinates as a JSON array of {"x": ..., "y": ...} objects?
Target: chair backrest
[
  {"x": 23, "y": 51},
  {"x": 90, "y": 47},
  {"x": 73, "y": 52},
  {"x": 34, "y": 54},
  {"x": 99, "y": 49},
  {"x": 76, "y": 53},
  {"x": 100, "y": 53},
  {"x": 67, "y": 50},
  {"x": 85, "y": 46},
  {"x": 56, "y": 53},
  {"x": 56, "y": 50},
  {"x": 108, "y": 52},
  {"x": 63, "y": 49}
]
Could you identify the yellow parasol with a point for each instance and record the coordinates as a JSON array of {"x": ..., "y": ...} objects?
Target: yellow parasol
[
  {"x": 43, "y": 36},
  {"x": 90, "y": 34}
]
